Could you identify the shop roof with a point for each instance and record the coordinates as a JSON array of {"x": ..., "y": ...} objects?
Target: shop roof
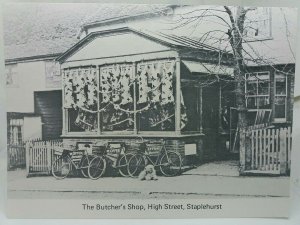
[
  {"x": 171, "y": 41},
  {"x": 33, "y": 30}
]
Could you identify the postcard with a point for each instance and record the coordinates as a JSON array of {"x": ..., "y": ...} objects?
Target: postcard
[{"x": 148, "y": 110}]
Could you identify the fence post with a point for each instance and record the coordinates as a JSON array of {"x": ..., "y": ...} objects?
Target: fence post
[
  {"x": 27, "y": 147},
  {"x": 242, "y": 151},
  {"x": 289, "y": 139},
  {"x": 282, "y": 154},
  {"x": 48, "y": 149},
  {"x": 8, "y": 156},
  {"x": 248, "y": 150}
]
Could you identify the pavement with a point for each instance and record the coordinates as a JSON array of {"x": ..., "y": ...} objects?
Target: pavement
[{"x": 218, "y": 179}]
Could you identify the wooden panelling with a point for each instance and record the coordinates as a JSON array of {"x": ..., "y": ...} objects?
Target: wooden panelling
[{"x": 48, "y": 104}]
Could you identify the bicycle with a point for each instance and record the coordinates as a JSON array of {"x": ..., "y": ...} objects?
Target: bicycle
[
  {"x": 78, "y": 159},
  {"x": 114, "y": 153},
  {"x": 169, "y": 162}
]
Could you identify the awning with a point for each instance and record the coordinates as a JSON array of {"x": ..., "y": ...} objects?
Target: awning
[{"x": 207, "y": 68}]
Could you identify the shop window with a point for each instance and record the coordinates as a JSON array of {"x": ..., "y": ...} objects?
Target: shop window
[
  {"x": 80, "y": 99},
  {"x": 257, "y": 90},
  {"x": 117, "y": 98},
  {"x": 155, "y": 99},
  {"x": 190, "y": 114},
  {"x": 118, "y": 95},
  {"x": 280, "y": 96},
  {"x": 15, "y": 129}
]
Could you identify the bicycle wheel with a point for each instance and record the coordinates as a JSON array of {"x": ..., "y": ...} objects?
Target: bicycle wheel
[
  {"x": 61, "y": 167},
  {"x": 170, "y": 164},
  {"x": 85, "y": 165},
  {"x": 136, "y": 165},
  {"x": 97, "y": 167},
  {"x": 123, "y": 164}
]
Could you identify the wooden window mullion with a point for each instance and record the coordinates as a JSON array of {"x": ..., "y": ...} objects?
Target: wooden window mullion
[
  {"x": 135, "y": 131},
  {"x": 98, "y": 99}
]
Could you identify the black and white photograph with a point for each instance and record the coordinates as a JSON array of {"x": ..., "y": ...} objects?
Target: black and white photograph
[{"x": 149, "y": 102}]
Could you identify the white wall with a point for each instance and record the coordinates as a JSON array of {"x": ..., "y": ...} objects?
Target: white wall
[
  {"x": 30, "y": 77},
  {"x": 32, "y": 128}
]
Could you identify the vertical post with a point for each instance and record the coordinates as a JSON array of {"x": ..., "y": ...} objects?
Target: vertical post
[
  {"x": 49, "y": 145},
  {"x": 272, "y": 93},
  {"x": 277, "y": 148},
  {"x": 260, "y": 150},
  {"x": 289, "y": 139},
  {"x": 8, "y": 156},
  {"x": 248, "y": 149},
  {"x": 282, "y": 154},
  {"x": 178, "y": 97},
  {"x": 64, "y": 127},
  {"x": 242, "y": 151},
  {"x": 98, "y": 99},
  {"x": 256, "y": 149},
  {"x": 252, "y": 150},
  {"x": 27, "y": 146},
  {"x": 272, "y": 149},
  {"x": 268, "y": 146},
  {"x": 200, "y": 110},
  {"x": 220, "y": 107},
  {"x": 265, "y": 149},
  {"x": 134, "y": 99}
]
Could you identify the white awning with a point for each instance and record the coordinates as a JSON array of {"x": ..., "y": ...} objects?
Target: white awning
[{"x": 207, "y": 68}]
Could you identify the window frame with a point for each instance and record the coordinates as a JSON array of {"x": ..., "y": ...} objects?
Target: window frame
[
  {"x": 280, "y": 120},
  {"x": 19, "y": 123},
  {"x": 256, "y": 75}
]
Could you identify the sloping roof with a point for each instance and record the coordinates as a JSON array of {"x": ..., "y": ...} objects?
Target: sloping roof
[
  {"x": 37, "y": 29},
  {"x": 172, "y": 41}
]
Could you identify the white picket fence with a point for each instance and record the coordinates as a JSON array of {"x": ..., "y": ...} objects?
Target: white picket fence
[
  {"x": 39, "y": 156},
  {"x": 267, "y": 150}
]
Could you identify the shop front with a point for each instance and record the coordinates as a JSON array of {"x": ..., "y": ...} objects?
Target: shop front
[{"x": 121, "y": 85}]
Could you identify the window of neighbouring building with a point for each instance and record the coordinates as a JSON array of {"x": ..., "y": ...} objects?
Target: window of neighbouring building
[
  {"x": 11, "y": 71},
  {"x": 257, "y": 90},
  {"x": 15, "y": 131},
  {"x": 280, "y": 99},
  {"x": 258, "y": 24}
]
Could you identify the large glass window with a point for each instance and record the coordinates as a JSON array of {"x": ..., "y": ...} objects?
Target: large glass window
[
  {"x": 116, "y": 97},
  {"x": 121, "y": 97},
  {"x": 155, "y": 99},
  {"x": 80, "y": 99},
  {"x": 257, "y": 90}
]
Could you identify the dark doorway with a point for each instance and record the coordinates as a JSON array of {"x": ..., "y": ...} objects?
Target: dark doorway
[{"x": 48, "y": 104}]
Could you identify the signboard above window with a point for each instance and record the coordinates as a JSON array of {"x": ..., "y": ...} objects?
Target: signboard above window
[{"x": 258, "y": 25}]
